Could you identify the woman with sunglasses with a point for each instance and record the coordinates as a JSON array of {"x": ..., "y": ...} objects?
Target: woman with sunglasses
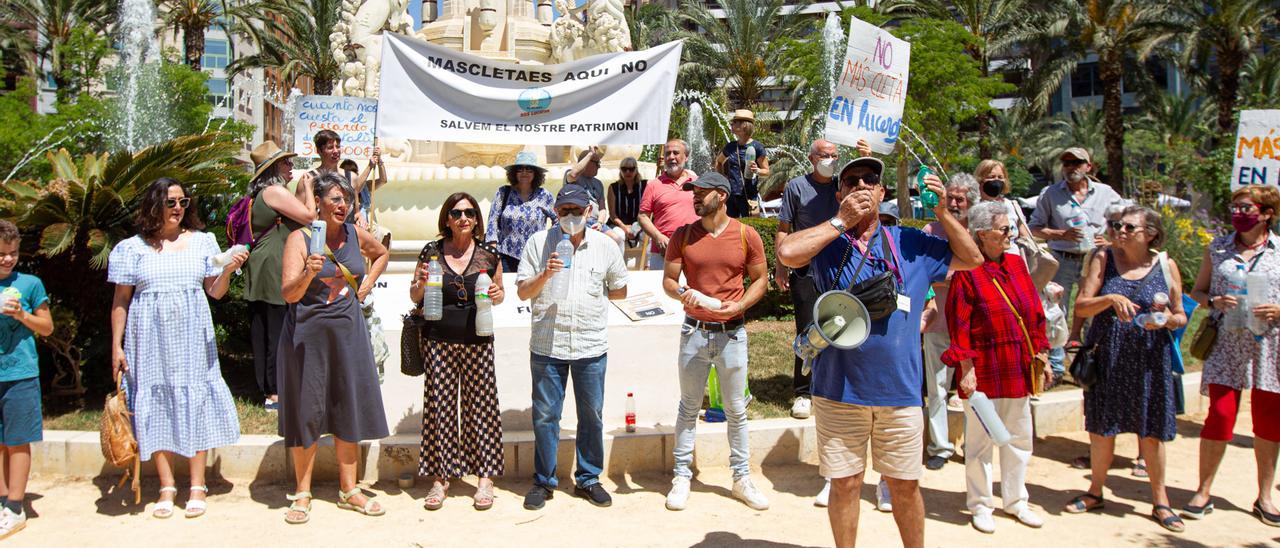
[
  {"x": 1242, "y": 359},
  {"x": 1134, "y": 391},
  {"x": 993, "y": 181},
  {"x": 624, "y": 197},
  {"x": 519, "y": 209},
  {"x": 461, "y": 424},
  {"x": 997, "y": 328},
  {"x": 162, "y": 340}
]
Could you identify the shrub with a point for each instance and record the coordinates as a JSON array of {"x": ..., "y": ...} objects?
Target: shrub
[{"x": 776, "y": 303}]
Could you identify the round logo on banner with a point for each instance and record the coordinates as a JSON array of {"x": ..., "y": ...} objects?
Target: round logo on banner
[{"x": 534, "y": 100}]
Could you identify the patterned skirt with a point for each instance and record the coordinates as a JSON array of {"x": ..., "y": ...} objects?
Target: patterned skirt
[{"x": 461, "y": 422}]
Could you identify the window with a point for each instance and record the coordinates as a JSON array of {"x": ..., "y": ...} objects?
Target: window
[
  {"x": 1084, "y": 80},
  {"x": 217, "y": 94},
  {"x": 217, "y": 55}
]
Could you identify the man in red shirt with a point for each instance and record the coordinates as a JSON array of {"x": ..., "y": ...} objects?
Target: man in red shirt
[
  {"x": 715, "y": 254},
  {"x": 665, "y": 205}
]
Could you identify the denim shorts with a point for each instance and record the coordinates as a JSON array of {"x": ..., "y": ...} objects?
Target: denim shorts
[{"x": 20, "y": 414}]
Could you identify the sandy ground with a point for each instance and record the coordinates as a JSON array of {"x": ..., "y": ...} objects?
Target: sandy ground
[{"x": 88, "y": 512}]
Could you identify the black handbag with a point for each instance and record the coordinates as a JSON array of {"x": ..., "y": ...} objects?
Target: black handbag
[
  {"x": 878, "y": 293},
  {"x": 1086, "y": 367},
  {"x": 411, "y": 359}
]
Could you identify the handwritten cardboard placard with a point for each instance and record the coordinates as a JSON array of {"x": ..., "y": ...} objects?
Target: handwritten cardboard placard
[
  {"x": 1257, "y": 159},
  {"x": 351, "y": 117},
  {"x": 872, "y": 89}
]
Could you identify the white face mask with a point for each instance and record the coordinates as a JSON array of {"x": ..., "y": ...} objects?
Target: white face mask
[
  {"x": 826, "y": 167},
  {"x": 573, "y": 224}
]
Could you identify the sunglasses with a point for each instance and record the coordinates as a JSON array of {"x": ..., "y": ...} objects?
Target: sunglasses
[
  {"x": 870, "y": 179},
  {"x": 628, "y": 169},
  {"x": 470, "y": 212},
  {"x": 524, "y": 169},
  {"x": 177, "y": 202},
  {"x": 1073, "y": 163},
  {"x": 1127, "y": 228}
]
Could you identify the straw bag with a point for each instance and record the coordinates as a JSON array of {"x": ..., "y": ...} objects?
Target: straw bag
[{"x": 119, "y": 446}]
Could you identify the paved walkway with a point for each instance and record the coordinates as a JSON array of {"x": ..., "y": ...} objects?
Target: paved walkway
[{"x": 76, "y": 512}]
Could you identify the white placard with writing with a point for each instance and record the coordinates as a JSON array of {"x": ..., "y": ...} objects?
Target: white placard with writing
[
  {"x": 868, "y": 97},
  {"x": 352, "y": 118},
  {"x": 1257, "y": 158}
]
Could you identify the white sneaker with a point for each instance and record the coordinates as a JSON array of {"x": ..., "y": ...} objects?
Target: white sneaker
[
  {"x": 1028, "y": 518},
  {"x": 883, "y": 502},
  {"x": 679, "y": 494},
  {"x": 11, "y": 523},
  {"x": 802, "y": 408},
  {"x": 746, "y": 491},
  {"x": 824, "y": 495},
  {"x": 983, "y": 522}
]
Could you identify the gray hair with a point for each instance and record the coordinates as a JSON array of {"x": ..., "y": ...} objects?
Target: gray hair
[
  {"x": 968, "y": 183},
  {"x": 268, "y": 177},
  {"x": 683, "y": 145},
  {"x": 1116, "y": 210},
  {"x": 330, "y": 180},
  {"x": 982, "y": 216},
  {"x": 817, "y": 145},
  {"x": 1151, "y": 221}
]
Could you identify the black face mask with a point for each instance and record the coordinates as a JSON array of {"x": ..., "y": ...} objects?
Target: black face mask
[{"x": 992, "y": 187}]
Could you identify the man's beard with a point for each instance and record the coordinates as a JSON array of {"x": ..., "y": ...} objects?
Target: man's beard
[
  {"x": 1075, "y": 176},
  {"x": 673, "y": 170},
  {"x": 706, "y": 209}
]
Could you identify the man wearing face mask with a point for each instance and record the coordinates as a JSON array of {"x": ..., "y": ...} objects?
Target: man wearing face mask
[
  {"x": 569, "y": 339},
  {"x": 1068, "y": 215},
  {"x": 871, "y": 394},
  {"x": 665, "y": 206}
]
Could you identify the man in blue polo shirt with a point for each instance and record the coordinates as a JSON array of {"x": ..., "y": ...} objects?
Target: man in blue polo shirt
[{"x": 872, "y": 393}]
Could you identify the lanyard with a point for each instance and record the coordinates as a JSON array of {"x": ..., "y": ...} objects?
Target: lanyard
[{"x": 887, "y": 244}]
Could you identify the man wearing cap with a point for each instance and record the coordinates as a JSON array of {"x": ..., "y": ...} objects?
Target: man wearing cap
[
  {"x": 715, "y": 254},
  {"x": 664, "y": 206},
  {"x": 872, "y": 393},
  {"x": 569, "y": 339},
  {"x": 743, "y": 161},
  {"x": 1068, "y": 215},
  {"x": 583, "y": 173}
]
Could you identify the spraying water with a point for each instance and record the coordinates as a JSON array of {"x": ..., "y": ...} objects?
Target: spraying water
[
  {"x": 699, "y": 150},
  {"x": 718, "y": 114},
  {"x": 833, "y": 49},
  {"x": 936, "y": 162},
  {"x": 142, "y": 113}
]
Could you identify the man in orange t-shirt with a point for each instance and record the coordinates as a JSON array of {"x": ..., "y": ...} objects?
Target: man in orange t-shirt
[
  {"x": 715, "y": 254},
  {"x": 665, "y": 204}
]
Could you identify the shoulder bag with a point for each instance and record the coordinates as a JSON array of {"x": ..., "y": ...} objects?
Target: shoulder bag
[
  {"x": 1040, "y": 262},
  {"x": 411, "y": 359},
  {"x": 1033, "y": 371}
]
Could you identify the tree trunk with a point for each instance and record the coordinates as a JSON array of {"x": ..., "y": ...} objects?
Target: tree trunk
[
  {"x": 1110, "y": 71},
  {"x": 322, "y": 86},
  {"x": 905, "y": 210},
  {"x": 193, "y": 46},
  {"x": 984, "y": 119},
  {"x": 1229, "y": 62}
]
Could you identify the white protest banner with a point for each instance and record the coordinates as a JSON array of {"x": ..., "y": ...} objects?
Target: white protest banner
[
  {"x": 869, "y": 95},
  {"x": 434, "y": 93},
  {"x": 1257, "y": 160},
  {"x": 351, "y": 118}
]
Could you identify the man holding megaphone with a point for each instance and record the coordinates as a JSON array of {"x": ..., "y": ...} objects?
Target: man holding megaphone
[{"x": 871, "y": 393}]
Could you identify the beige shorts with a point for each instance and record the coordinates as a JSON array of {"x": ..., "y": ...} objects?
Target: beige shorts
[{"x": 896, "y": 435}]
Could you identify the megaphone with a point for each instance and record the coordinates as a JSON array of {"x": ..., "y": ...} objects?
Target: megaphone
[{"x": 839, "y": 320}]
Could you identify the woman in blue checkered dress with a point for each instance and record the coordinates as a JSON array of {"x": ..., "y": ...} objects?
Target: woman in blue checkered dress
[{"x": 163, "y": 340}]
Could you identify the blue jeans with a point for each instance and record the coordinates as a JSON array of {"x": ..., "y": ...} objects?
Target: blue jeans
[
  {"x": 549, "y": 378},
  {"x": 1070, "y": 266},
  {"x": 699, "y": 351}
]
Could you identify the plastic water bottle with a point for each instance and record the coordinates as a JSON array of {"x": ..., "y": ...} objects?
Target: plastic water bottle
[
  {"x": 318, "y": 229},
  {"x": 1160, "y": 301},
  {"x": 748, "y": 158},
  {"x": 560, "y": 283},
  {"x": 928, "y": 198},
  {"x": 1256, "y": 285},
  {"x": 1080, "y": 221},
  {"x": 986, "y": 413},
  {"x": 1237, "y": 286},
  {"x": 705, "y": 301},
  {"x": 484, "y": 306},
  {"x": 631, "y": 412},
  {"x": 224, "y": 258},
  {"x": 1155, "y": 317},
  {"x": 433, "y": 297}
]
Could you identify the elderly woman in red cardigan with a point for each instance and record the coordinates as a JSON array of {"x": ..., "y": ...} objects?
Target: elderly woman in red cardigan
[{"x": 997, "y": 328}]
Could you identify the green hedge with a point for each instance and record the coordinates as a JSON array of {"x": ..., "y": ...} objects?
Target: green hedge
[{"x": 776, "y": 303}]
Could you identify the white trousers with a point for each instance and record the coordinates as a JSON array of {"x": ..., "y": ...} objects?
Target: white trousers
[{"x": 978, "y": 449}]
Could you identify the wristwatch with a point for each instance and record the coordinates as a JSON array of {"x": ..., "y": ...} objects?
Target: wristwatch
[{"x": 838, "y": 223}]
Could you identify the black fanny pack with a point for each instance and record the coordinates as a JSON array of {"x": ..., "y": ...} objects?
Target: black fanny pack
[{"x": 878, "y": 293}]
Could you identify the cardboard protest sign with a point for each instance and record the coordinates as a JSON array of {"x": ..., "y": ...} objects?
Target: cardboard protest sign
[
  {"x": 351, "y": 117},
  {"x": 870, "y": 93},
  {"x": 1257, "y": 158}
]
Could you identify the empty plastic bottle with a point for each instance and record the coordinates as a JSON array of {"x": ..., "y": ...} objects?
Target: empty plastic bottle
[
  {"x": 1237, "y": 286},
  {"x": 986, "y": 413},
  {"x": 224, "y": 258},
  {"x": 433, "y": 297},
  {"x": 560, "y": 282},
  {"x": 484, "y": 306},
  {"x": 705, "y": 301}
]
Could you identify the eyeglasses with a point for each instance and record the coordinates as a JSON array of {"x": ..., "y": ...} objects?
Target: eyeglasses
[
  {"x": 1127, "y": 228},
  {"x": 870, "y": 179},
  {"x": 470, "y": 212},
  {"x": 177, "y": 202},
  {"x": 1073, "y": 163},
  {"x": 1003, "y": 229},
  {"x": 1243, "y": 208},
  {"x": 627, "y": 169},
  {"x": 574, "y": 211}
]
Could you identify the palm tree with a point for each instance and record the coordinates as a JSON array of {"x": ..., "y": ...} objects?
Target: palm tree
[
  {"x": 1121, "y": 33},
  {"x": 995, "y": 23},
  {"x": 193, "y": 17},
  {"x": 742, "y": 48},
  {"x": 1082, "y": 127},
  {"x": 1228, "y": 31},
  {"x": 294, "y": 39},
  {"x": 45, "y": 27}
]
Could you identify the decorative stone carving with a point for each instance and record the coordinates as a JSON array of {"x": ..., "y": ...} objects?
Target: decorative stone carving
[{"x": 357, "y": 41}]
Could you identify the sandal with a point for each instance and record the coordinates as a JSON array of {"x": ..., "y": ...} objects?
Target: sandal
[
  {"x": 484, "y": 496},
  {"x": 435, "y": 497},
  {"x": 196, "y": 507},
  {"x": 164, "y": 508},
  {"x": 1139, "y": 469},
  {"x": 299, "y": 508},
  {"x": 1171, "y": 523},
  {"x": 1082, "y": 504},
  {"x": 1082, "y": 463},
  {"x": 368, "y": 508}
]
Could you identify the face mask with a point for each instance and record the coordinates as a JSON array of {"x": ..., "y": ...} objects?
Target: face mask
[
  {"x": 1243, "y": 222},
  {"x": 573, "y": 224},
  {"x": 826, "y": 167},
  {"x": 992, "y": 188}
]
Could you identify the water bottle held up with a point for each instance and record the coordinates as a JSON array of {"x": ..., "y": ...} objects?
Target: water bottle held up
[
  {"x": 928, "y": 198},
  {"x": 318, "y": 229},
  {"x": 748, "y": 158},
  {"x": 560, "y": 282},
  {"x": 433, "y": 296},
  {"x": 484, "y": 306}
]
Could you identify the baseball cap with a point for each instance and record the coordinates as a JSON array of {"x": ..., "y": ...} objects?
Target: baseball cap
[
  {"x": 866, "y": 161},
  {"x": 573, "y": 195},
  {"x": 711, "y": 180},
  {"x": 1075, "y": 152},
  {"x": 890, "y": 208}
]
